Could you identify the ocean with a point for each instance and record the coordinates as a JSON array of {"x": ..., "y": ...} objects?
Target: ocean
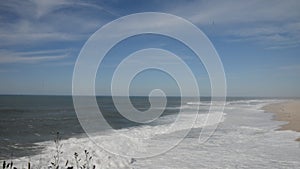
[{"x": 245, "y": 138}]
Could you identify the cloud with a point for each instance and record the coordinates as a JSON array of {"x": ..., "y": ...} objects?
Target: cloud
[
  {"x": 234, "y": 11},
  {"x": 290, "y": 67},
  {"x": 42, "y": 21},
  {"x": 275, "y": 36},
  {"x": 38, "y": 38},
  {"x": 44, "y": 7},
  {"x": 273, "y": 23},
  {"x": 39, "y": 8},
  {"x": 32, "y": 57}
]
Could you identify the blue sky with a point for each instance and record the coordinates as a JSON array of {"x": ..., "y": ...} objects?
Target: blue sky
[{"x": 258, "y": 43}]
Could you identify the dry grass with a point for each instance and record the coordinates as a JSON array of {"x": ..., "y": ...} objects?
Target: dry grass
[{"x": 85, "y": 163}]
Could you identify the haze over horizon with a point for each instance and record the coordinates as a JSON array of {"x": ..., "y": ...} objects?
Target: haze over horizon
[{"x": 257, "y": 41}]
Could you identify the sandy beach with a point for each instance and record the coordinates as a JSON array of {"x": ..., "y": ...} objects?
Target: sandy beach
[{"x": 287, "y": 111}]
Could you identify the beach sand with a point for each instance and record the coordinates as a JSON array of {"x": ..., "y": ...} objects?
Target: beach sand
[{"x": 286, "y": 111}]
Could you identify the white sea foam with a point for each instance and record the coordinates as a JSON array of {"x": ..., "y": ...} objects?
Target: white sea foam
[{"x": 246, "y": 139}]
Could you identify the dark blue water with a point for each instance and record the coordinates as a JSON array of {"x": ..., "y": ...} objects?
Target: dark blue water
[{"x": 25, "y": 120}]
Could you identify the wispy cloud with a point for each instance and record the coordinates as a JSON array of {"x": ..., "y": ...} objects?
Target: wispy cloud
[
  {"x": 31, "y": 57},
  {"x": 39, "y": 38},
  {"x": 42, "y": 21},
  {"x": 273, "y": 23},
  {"x": 291, "y": 67},
  {"x": 275, "y": 36},
  {"x": 233, "y": 11}
]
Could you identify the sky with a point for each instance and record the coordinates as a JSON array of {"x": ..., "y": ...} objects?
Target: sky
[{"x": 258, "y": 43}]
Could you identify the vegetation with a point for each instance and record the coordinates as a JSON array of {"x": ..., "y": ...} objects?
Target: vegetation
[{"x": 85, "y": 163}]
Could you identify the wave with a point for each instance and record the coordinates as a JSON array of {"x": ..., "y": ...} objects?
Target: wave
[
  {"x": 136, "y": 138},
  {"x": 245, "y": 132}
]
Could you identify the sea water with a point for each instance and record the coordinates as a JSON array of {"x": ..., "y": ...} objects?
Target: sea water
[{"x": 246, "y": 136}]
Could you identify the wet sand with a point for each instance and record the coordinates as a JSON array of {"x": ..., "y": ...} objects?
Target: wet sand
[{"x": 287, "y": 111}]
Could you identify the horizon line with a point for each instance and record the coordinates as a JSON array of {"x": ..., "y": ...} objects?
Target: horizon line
[{"x": 70, "y": 95}]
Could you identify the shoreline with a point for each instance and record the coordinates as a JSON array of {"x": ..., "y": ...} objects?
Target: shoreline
[{"x": 288, "y": 111}]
